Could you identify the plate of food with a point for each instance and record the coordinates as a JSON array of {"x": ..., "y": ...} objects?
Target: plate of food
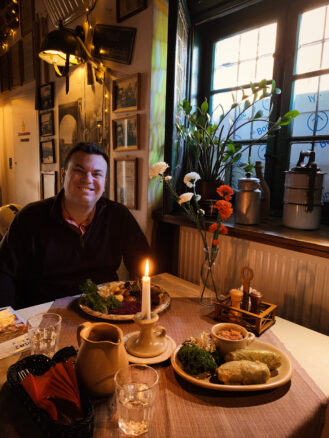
[
  {"x": 119, "y": 300},
  {"x": 260, "y": 366}
]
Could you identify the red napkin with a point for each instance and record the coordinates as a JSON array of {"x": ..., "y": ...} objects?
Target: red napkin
[{"x": 56, "y": 392}]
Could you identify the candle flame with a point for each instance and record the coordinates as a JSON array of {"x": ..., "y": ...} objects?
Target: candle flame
[{"x": 146, "y": 268}]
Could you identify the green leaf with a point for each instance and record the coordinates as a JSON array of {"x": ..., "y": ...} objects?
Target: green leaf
[
  {"x": 187, "y": 107},
  {"x": 286, "y": 118},
  {"x": 258, "y": 115},
  {"x": 204, "y": 106},
  {"x": 236, "y": 157},
  {"x": 246, "y": 104}
]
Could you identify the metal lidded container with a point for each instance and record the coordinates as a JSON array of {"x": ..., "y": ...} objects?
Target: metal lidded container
[
  {"x": 247, "y": 201},
  {"x": 303, "y": 194}
]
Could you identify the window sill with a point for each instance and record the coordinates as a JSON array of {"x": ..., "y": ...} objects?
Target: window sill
[{"x": 269, "y": 232}]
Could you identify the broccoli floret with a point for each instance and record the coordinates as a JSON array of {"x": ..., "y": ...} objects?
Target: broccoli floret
[
  {"x": 95, "y": 301},
  {"x": 195, "y": 360}
]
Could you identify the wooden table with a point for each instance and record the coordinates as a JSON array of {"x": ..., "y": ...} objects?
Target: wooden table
[{"x": 309, "y": 348}]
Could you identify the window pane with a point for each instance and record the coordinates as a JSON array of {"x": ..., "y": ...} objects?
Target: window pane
[
  {"x": 308, "y": 58},
  {"x": 304, "y": 100},
  {"x": 324, "y": 93},
  {"x": 246, "y": 72},
  {"x": 248, "y": 44},
  {"x": 311, "y": 26},
  {"x": 238, "y": 58},
  {"x": 237, "y": 172},
  {"x": 264, "y": 68},
  {"x": 311, "y": 41},
  {"x": 224, "y": 75},
  {"x": 267, "y": 35},
  {"x": 325, "y": 56}
]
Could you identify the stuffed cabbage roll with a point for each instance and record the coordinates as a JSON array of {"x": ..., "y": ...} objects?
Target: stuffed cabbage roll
[
  {"x": 243, "y": 372},
  {"x": 270, "y": 358}
]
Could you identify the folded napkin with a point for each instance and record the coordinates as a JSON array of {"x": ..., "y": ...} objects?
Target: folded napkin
[{"x": 57, "y": 392}]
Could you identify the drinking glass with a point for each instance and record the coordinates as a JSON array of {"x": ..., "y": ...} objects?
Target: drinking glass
[
  {"x": 136, "y": 388},
  {"x": 44, "y": 329}
]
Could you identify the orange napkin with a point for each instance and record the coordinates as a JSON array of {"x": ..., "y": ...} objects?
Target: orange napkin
[{"x": 56, "y": 392}]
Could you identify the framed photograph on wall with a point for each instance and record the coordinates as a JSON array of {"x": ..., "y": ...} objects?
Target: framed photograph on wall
[
  {"x": 128, "y": 8},
  {"x": 125, "y": 181},
  {"x": 47, "y": 152},
  {"x": 48, "y": 184},
  {"x": 46, "y": 123},
  {"x": 46, "y": 96},
  {"x": 115, "y": 43},
  {"x": 126, "y": 93},
  {"x": 125, "y": 133}
]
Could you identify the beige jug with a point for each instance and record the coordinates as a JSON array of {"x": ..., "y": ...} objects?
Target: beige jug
[{"x": 100, "y": 355}]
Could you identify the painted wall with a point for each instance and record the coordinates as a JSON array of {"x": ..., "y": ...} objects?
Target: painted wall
[{"x": 95, "y": 103}]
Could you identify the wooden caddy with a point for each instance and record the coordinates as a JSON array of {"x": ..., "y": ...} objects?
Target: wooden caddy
[{"x": 256, "y": 323}]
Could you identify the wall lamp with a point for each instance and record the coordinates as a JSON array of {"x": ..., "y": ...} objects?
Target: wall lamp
[{"x": 65, "y": 47}]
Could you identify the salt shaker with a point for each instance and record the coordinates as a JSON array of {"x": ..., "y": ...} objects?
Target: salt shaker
[{"x": 236, "y": 298}]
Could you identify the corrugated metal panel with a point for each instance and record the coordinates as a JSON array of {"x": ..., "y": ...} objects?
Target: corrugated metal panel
[
  {"x": 65, "y": 10},
  {"x": 298, "y": 283}
]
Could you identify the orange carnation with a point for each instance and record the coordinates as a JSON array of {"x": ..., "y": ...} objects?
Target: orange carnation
[
  {"x": 225, "y": 192},
  {"x": 215, "y": 242},
  {"x": 223, "y": 229},
  {"x": 225, "y": 209},
  {"x": 212, "y": 228}
]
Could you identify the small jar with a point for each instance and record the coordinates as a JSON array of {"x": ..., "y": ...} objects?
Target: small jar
[{"x": 256, "y": 299}]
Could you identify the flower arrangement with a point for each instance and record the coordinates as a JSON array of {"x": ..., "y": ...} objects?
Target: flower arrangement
[
  {"x": 189, "y": 201},
  {"x": 211, "y": 145}
]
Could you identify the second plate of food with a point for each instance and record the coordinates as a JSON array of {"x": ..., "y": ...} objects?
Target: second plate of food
[
  {"x": 160, "y": 301},
  {"x": 284, "y": 372}
]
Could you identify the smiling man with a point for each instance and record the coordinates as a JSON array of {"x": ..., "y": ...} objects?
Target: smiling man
[{"x": 56, "y": 244}]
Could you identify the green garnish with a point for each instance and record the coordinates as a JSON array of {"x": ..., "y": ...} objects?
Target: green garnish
[
  {"x": 195, "y": 360},
  {"x": 95, "y": 301}
]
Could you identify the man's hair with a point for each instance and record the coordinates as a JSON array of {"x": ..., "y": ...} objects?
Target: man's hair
[{"x": 88, "y": 148}]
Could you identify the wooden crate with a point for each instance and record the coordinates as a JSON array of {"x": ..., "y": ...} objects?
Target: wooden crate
[{"x": 253, "y": 322}]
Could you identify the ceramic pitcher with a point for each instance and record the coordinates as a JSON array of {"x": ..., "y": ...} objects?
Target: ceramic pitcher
[{"x": 100, "y": 355}]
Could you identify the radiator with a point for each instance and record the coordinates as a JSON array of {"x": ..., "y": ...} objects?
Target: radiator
[{"x": 297, "y": 283}]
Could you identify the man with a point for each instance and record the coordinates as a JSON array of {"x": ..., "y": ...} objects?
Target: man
[{"x": 54, "y": 245}]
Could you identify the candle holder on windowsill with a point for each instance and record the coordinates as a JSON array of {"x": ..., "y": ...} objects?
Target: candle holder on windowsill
[{"x": 150, "y": 341}]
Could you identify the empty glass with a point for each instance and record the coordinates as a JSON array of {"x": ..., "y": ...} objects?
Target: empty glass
[
  {"x": 44, "y": 329},
  {"x": 136, "y": 388}
]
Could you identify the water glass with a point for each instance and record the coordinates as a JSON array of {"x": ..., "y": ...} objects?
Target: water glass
[
  {"x": 136, "y": 388},
  {"x": 44, "y": 329}
]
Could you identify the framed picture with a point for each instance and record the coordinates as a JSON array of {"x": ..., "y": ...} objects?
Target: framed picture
[
  {"x": 47, "y": 152},
  {"x": 125, "y": 181},
  {"x": 46, "y": 96},
  {"x": 128, "y": 8},
  {"x": 115, "y": 43},
  {"x": 126, "y": 133},
  {"x": 48, "y": 184},
  {"x": 26, "y": 16},
  {"x": 126, "y": 93},
  {"x": 46, "y": 123}
]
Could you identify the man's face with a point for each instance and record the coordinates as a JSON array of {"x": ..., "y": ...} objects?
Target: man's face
[{"x": 84, "y": 178}]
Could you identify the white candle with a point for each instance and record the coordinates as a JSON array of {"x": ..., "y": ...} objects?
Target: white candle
[{"x": 146, "y": 293}]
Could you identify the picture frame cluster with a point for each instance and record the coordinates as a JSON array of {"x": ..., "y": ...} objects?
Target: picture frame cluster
[
  {"x": 46, "y": 104},
  {"x": 126, "y": 137}
]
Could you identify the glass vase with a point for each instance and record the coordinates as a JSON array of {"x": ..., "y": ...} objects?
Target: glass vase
[{"x": 208, "y": 277}]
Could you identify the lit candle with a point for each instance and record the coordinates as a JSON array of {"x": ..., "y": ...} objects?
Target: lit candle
[{"x": 146, "y": 293}]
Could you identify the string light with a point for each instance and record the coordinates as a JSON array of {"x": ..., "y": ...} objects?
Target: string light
[{"x": 10, "y": 23}]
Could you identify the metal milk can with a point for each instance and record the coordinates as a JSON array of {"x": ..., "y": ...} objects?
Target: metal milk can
[
  {"x": 303, "y": 193},
  {"x": 247, "y": 201}
]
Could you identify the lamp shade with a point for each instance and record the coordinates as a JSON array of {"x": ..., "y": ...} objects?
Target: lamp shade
[{"x": 58, "y": 44}]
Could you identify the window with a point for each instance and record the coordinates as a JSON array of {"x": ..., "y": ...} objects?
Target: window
[
  {"x": 310, "y": 84},
  {"x": 284, "y": 40},
  {"x": 239, "y": 59}
]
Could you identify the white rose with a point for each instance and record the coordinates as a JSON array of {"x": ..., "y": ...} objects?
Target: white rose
[
  {"x": 185, "y": 197},
  {"x": 158, "y": 169},
  {"x": 197, "y": 197},
  {"x": 191, "y": 178},
  {"x": 168, "y": 178}
]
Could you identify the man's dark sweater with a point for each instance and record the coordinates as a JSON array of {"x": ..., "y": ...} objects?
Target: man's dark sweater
[{"x": 42, "y": 258}]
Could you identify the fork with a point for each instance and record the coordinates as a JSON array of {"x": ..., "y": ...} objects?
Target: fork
[{"x": 23, "y": 373}]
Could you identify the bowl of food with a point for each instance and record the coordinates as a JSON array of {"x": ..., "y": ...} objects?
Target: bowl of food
[{"x": 229, "y": 337}]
